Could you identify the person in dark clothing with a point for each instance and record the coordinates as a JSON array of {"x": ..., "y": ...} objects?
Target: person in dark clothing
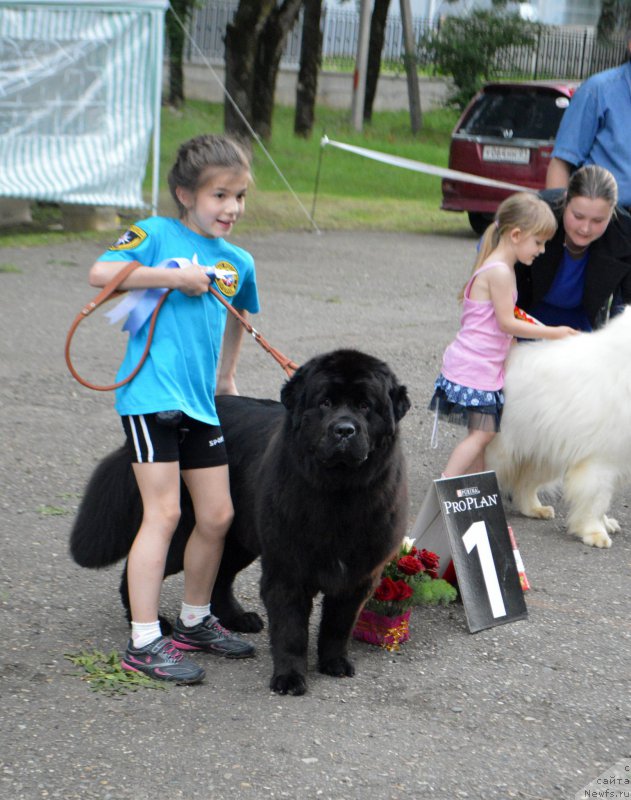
[{"x": 584, "y": 275}]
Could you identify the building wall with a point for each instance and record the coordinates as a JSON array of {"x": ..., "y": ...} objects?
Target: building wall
[{"x": 550, "y": 12}]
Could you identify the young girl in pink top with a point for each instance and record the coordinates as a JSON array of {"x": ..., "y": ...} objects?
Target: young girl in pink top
[{"x": 469, "y": 387}]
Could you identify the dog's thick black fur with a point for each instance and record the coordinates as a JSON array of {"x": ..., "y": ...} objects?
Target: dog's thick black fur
[{"x": 320, "y": 493}]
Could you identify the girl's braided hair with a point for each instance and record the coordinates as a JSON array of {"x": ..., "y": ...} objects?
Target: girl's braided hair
[{"x": 199, "y": 158}]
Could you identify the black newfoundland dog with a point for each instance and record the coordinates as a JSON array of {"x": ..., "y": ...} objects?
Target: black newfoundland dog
[{"x": 319, "y": 488}]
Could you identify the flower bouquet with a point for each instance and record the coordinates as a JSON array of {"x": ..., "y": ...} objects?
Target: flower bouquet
[{"x": 409, "y": 579}]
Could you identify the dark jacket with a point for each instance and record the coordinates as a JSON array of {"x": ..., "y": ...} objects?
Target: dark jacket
[{"x": 608, "y": 270}]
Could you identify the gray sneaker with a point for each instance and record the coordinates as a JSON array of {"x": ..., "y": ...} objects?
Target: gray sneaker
[
  {"x": 162, "y": 661},
  {"x": 211, "y": 637}
]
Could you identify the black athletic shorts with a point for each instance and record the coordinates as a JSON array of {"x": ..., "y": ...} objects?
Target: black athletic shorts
[{"x": 194, "y": 444}]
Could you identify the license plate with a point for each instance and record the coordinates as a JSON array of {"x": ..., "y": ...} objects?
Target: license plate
[{"x": 509, "y": 155}]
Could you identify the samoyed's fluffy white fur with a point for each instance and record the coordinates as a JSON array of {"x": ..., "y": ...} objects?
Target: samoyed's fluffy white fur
[{"x": 568, "y": 419}]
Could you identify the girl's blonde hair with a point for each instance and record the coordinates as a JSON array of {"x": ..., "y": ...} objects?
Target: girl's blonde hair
[{"x": 523, "y": 210}]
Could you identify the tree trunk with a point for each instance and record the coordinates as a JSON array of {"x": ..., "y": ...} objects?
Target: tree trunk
[
  {"x": 271, "y": 42},
  {"x": 375, "y": 46},
  {"x": 176, "y": 38},
  {"x": 310, "y": 62},
  {"x": 241, "y": 41},
  {"x": 414, "y": 96}
]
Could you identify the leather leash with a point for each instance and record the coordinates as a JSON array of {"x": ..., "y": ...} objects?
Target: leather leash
[
  {"x": 111, "y": 290},
  {"x": 286, "y": 363}
]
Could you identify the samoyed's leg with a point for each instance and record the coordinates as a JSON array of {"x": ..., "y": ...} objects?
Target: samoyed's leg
[
  {"x": 527, "y": 480},
  {"x": 589, "y": 488}
]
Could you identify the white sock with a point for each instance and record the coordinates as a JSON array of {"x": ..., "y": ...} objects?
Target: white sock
[
  {"x": 143, "y": 633},
  {"x": 193, "y": 615}
]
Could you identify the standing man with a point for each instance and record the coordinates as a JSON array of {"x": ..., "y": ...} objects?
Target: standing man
[{"x": 596, "y": 129}]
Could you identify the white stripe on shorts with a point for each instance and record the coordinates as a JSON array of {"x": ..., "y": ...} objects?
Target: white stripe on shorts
[{"x": 146, "y": 437}]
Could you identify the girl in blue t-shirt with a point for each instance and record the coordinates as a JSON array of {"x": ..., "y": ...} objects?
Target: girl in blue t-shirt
[{"x": 168, "y": 410}]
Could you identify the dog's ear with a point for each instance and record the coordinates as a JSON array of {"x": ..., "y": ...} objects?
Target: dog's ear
[
  {"x": 397, "y": 405},
  {"x": 400, "y": 401},
  {"x": 292, "y": 389},
  {"x": 293, "y": 394}
]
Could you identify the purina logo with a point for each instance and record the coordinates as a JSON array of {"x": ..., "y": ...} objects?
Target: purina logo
[{"x": 469, "y": 491}]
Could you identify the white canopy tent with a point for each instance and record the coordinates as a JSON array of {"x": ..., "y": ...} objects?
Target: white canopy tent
[{"x": 80, "y": 95}]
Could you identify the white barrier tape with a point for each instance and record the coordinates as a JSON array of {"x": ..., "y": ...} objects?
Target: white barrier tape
[{"x": 419, "y": 166}]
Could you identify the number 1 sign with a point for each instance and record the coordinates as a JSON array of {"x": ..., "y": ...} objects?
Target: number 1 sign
[{"x": 463, "y": 519}]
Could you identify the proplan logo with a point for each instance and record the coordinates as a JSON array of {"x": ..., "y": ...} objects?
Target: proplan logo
[
  {"x": 470, "y": 498},
  {"x": 613, "y": 784}
]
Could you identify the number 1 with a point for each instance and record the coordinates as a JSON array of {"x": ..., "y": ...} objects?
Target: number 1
[{"x": 477, "y": 536}]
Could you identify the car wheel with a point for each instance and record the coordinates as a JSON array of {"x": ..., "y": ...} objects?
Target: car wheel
[{"x": 479, "y": 222}]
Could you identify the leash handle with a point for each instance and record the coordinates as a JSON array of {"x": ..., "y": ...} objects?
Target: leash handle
[{"x": 107, "y": 292}]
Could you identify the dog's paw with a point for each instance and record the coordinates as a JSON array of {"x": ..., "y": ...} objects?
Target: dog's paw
[
  {"x": 289, "y": 683},
  {"x": 339, "y": 667},
  {"x": 597, "y": 539},
  {"x": 166, "y": 626},
  {"x": 612, "y": 525},
  {"x": 248, "y": 622},
  {"x": 541, "y": 512}
]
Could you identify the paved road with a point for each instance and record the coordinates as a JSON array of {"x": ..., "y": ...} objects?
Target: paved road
[{"x": 533, "y": 709}]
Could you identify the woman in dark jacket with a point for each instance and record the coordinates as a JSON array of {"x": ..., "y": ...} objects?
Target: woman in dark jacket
[{"x": 587, "y": 264}]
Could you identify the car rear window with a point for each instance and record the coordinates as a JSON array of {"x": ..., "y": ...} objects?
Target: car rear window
[{"x": 515, "y": 113}]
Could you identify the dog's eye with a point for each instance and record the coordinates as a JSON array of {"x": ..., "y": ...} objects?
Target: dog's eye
[
  {"x": 325, "y": 403},
  {"x": 363, "y": 406}
]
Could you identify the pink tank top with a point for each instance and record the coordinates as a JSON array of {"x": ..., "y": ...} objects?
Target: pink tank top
[{"x": 476, "y": 356}]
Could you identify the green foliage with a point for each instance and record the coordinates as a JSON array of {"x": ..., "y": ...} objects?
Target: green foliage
[
  {"x": 465, "y": 47},
  {"x": 434, "y": 592},
  {"x": 353, "y": 193},
  {"x": 52, "y": 511},
  {"x": 342, "y": 174},
  {"x": 104, "y": 673}
]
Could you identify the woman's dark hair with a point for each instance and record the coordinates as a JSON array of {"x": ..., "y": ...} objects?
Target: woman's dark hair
[{"x": 198, "y": 158}]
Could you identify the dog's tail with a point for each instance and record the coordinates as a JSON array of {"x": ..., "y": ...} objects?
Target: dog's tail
[{"x": 109, "y": 514}]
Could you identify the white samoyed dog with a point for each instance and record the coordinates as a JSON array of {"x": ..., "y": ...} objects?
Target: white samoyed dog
[{"x": 567, "y": 420}]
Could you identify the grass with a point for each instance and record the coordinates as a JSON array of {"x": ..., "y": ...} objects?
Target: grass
[
  {"x": 52, "y": 511},
  {"x": 103, "y": 673},
  {"x": 354, "y": 193}
]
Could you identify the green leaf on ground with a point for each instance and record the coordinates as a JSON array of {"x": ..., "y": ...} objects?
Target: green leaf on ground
[{"x": 104, "y": 673}]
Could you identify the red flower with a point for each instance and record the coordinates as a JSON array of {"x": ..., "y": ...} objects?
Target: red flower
[
  {"x": 409, "y": 565},
  {"x": 403, "y": 591},
  {"x": 386, "y": 592},
  {"x": 430, "y": 561}
]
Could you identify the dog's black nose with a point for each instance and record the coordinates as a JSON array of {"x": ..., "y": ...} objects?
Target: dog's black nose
[{"x": 344, "y": 430}]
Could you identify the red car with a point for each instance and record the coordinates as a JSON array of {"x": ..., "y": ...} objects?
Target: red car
[{"x": 505, "y": 133}]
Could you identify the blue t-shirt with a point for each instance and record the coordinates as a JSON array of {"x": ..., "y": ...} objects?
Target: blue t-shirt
[
  {"x": 180, "y": 370},
  {"x": 563, "y": 302},
  {"x": 595, "y": 127}
]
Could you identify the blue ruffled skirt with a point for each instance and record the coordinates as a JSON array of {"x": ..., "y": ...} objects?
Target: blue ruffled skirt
[{"x": 463, "y": 405}]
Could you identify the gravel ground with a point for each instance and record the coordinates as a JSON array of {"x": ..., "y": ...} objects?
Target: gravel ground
[{"x": 533, "y": 709}]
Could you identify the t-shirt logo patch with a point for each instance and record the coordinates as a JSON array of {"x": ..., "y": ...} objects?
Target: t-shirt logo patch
[
  {"x": 227, "y": 286},
  {"x": 132, "y": 237}
]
